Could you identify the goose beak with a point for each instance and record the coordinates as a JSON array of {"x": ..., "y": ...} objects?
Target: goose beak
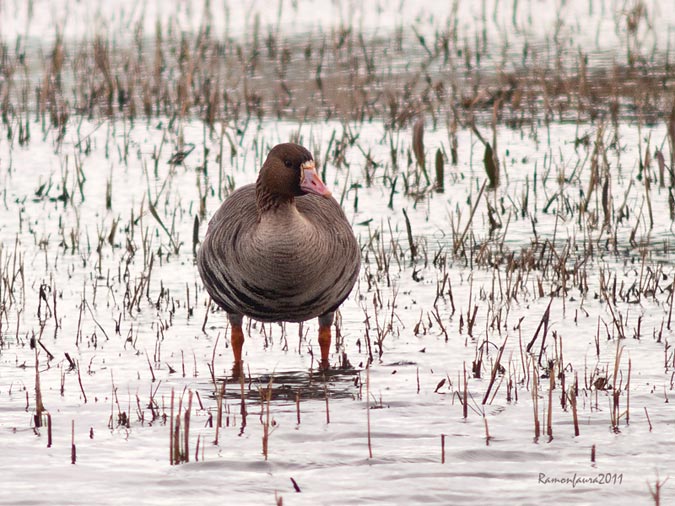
[{"x": 311, "y": 182}]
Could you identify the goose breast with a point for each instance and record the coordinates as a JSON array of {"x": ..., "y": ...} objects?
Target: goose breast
[{"x": 292, "y": 264}]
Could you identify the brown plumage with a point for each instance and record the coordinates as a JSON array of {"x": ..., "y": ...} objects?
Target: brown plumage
[{"x": 280, "y": 250}]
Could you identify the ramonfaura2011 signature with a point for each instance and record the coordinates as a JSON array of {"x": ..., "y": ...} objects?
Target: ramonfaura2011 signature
[{"x": 598, "y": 479}]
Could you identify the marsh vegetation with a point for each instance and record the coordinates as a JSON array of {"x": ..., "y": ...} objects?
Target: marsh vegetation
[{"x": 508, "y": 173}]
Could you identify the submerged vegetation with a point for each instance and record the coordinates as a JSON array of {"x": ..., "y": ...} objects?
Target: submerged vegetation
[{"x": 513, "y": 197}]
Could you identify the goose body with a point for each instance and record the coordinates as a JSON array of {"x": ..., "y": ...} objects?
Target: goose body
[{"x": 281, "y": 249}]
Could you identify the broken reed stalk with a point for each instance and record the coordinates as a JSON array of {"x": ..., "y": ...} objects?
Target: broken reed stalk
[
  {"x": 370, "y": 446},
  {"x": 440, "y": 172},
  {"x": 495, "y": 370},
  {"x": 549, "y": 413},
  {"x": 186, "y": 435},
  {"x": 49, "y": 430},
  {"x": 242, "y": 406},
  {"x": 73, "y": 450},
  {"x": 671, "y": 135},
  {"x": 442, "y": 448},
  {"x": 266, "y": 398},
  {"x": 594, "y": 179},
  {"x": 647, "y": 179},
  {"x": 176, "y": 435},
  {"x": 656, "y": 491},
  {"x": 670, "y": 310},
  {"x": 219, "y": 406},
  {"x": 535, "y": 398},
  {"x": 487, "y": 431},
  {"x": 418, "y": 147},
  {"x": 79, "y": 380},
  {"x": 171, "y": 459},
  {"x": 39, "y": 406},
  {"x": 206, "y": 317},
  {"x": 460, "y": 241},
  {"x": 572, "y": 397},
  {"x": 648, "y": 419},
  {"x": 628, "y": 394},
  {"x": 491, "y": 165},
  {"x": 179, "y": 446},
  {"x": 153, "y": 212},
  {"x": 297, "y": 406},
  {"x": 615, "y": 415},
  {"x": 411, "y": 243},
  {"x": 195, "y": 234},
  {"x": 543, "y": 322},
  {"x": 296, "y": 487},
  {"x": 465, "y": 396},
  {"x": 661, "y": 162},
  {"x": 325, "y": 393}
]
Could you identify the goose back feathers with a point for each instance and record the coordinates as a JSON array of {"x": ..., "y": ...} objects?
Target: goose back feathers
[{"x": 275, "y": 252}]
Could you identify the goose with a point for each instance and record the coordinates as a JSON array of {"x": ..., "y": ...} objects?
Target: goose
[{"x": 280, "y": 250}]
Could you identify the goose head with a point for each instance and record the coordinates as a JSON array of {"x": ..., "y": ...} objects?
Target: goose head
[{"x": 289, "y": 171}]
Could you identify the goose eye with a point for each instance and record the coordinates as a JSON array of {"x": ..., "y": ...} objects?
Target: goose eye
[{"x": 288, "y": 163}]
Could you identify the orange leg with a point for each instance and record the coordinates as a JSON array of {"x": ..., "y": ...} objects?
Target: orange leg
[
  {"x": 324, "y": 343},
  {"x": 237, "y": 337}
]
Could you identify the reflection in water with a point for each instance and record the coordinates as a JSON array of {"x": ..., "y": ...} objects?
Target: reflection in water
[{"x": 286, "y": 386}]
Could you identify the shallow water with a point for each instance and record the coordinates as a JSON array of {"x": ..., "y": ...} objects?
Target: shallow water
[
  {"x": 129, "y": 310},
  {"x": 329, "y": 461}
]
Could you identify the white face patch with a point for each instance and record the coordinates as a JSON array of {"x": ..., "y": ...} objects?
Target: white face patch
[{"x": 308, "y": 165}]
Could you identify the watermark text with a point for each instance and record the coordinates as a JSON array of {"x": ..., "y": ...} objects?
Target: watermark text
[{"x": 580, "y": 480}]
